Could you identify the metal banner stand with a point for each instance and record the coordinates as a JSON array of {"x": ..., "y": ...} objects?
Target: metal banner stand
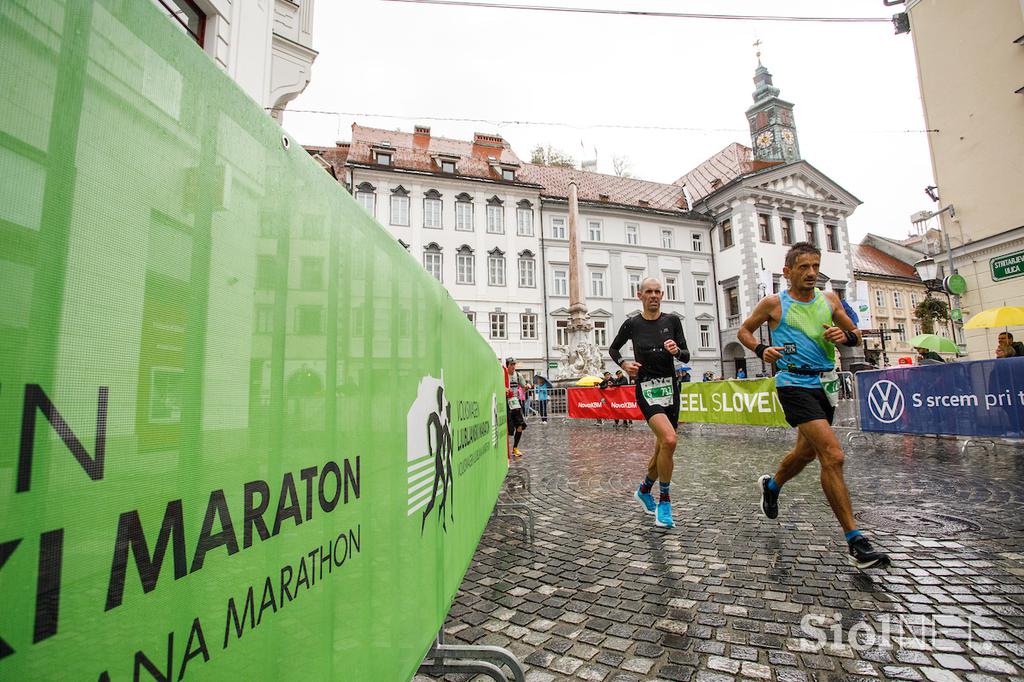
[
  {"x": 466, "y": 658},
  {"x": 520, "y": 474},
  {"x": 984, "y": 443},
  {"x": 518, "y": 511}
]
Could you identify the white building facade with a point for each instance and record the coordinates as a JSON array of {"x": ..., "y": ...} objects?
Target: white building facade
[
  {"x": 266, "y": 47},
  {"x": 494, "y": 231},
  {"x": 757, "y": 221},
  {"x": 464, "y": 214},
  {"x": 621, "y": 248},
  {"x": 479, "y": 239}
]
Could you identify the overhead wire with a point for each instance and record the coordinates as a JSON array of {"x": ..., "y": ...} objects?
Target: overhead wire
[
  {"x": 646, "y": 13},
  {"x": 556, "y": 124}
]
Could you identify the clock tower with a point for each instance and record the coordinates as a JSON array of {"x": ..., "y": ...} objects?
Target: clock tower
[{"x": 772, "y": 128}]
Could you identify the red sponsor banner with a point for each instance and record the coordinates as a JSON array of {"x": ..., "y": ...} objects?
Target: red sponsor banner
[{"x": 618, "y": 402}]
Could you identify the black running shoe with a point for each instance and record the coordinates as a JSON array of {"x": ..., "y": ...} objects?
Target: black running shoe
[
  {"x": 769, "y": 498},
  {"x": 863, "y": 555}
]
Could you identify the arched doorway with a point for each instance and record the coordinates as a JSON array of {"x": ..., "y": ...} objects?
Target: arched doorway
[{"x": 735, "y": 359}]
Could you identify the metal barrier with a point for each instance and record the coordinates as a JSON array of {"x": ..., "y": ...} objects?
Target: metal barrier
[{"x": 557, "y": 404}]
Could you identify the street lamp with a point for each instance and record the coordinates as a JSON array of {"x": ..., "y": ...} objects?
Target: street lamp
[{"x": 927, "y": 269}]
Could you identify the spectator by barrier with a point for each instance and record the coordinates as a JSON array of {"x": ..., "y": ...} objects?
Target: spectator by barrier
[
  {"x": 252, "y": 437},
  {"x": 557, "y": 405}
]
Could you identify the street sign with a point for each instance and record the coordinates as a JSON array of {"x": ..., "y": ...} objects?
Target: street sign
[
  {"x": 955, "y": 284},
  {"x": 1007, "y": 267},
  {"x": 552, "y": 365}
]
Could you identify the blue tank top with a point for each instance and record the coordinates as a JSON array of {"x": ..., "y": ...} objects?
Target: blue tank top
[{"x": 802, "y": 328}]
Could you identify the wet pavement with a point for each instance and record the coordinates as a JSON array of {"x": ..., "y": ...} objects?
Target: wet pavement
[{"x": 602, "y": 594}]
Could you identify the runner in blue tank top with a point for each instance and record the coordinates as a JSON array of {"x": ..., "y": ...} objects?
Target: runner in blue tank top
[{"x": 806, "y": 324}]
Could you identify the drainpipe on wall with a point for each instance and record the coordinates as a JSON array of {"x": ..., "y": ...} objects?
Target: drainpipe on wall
[
  {"x": 543, "y": 274},
  {"x": 714, "y": 280}
]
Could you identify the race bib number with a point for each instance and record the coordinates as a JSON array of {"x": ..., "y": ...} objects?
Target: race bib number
[
  {"x": 657, "y": 391},
  {"x": 513, "y": 403},
  {"x": 830, "y": 384}
]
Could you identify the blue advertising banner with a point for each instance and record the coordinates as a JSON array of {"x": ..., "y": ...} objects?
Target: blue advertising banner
[{"x": 980, "y": 398}]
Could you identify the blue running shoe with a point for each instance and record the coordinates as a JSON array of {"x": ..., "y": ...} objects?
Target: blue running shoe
[
  {"x": 663, "y": 519},
  {"x": 646, "y": 499}
]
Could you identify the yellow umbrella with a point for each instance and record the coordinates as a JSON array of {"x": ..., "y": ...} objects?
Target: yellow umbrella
[
  {"x": 589, "y": 380},
  {"x": 1006, "y": 316}
]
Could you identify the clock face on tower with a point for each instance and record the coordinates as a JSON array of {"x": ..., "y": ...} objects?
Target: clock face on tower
[
  {"x": 787, "y": 137},
  {"x": 764, "y": 139}
]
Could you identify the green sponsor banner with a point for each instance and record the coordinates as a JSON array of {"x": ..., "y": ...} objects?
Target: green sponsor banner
[
  {"x": 243, "y": 434},
  {"x": 746, "y": 401}
]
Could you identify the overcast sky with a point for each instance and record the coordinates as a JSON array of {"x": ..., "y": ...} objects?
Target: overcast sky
[{"x": 854, "y": 86}]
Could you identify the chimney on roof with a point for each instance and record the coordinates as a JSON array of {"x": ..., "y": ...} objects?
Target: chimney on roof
[
  {"x": 422, "y": 130},
  {"x": 488, "y": 140}
]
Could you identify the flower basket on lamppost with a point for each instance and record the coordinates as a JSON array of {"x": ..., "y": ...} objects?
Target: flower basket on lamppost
[{"x": 931, "y": 309}]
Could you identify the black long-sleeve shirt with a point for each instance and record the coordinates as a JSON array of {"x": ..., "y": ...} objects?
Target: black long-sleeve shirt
[{"x": 649, "y": 337}]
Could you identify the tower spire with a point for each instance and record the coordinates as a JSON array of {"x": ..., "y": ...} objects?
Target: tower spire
[{"x": 772, "y": 126}]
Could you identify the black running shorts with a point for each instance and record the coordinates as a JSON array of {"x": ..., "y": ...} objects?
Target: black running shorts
[
  {"x": 803, "y": 405},
  {"x": 515, "y": 419},
  {"x": 670, "y": 411}
]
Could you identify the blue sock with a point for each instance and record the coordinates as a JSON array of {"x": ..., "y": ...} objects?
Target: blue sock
[
  {"x": 773, "y": 486},
  {"x": 646, "y": 486},
  {"x": 852, "y": 534},
  {"x": 664, "y": 491}
]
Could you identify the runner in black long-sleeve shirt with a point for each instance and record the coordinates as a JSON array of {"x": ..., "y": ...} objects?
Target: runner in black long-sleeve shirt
[{"x": 657, "y": 339}]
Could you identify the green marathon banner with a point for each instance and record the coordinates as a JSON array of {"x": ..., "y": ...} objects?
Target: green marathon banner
[
  {"x": 741, "y": 401},
  {"x": 243, "y": 434}
]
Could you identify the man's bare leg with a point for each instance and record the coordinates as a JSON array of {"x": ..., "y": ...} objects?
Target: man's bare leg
[
  {"x": 660, "y": 466},
  {"x": 652, "y": 466},
  {"x": 664, "y": 448},
  {"x": 823, "y": 440},
  {"x": 795, "y": 460}
]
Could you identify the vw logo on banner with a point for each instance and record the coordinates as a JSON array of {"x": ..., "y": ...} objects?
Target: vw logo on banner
[{"x": 886, "y": 401}]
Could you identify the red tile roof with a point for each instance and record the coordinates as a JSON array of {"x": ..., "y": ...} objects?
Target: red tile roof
[
  {"x": 332, "y": 156},
  {"x": 481, "y": 158},
  {"x": 609, "y": 189},
  {"x": 870, "y": 261},
  {"x": 721, "y": 169},
  {"x": 418, "y": 151}
]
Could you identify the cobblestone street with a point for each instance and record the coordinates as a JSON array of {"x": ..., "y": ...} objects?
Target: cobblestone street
[{"x": 602, "y": 594}]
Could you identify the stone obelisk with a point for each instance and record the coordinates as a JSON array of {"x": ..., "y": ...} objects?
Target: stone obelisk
[{"x": 580, "y": 357}]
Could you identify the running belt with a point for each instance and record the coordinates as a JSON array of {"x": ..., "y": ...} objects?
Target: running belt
[{"x": 807, "y": 371}]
